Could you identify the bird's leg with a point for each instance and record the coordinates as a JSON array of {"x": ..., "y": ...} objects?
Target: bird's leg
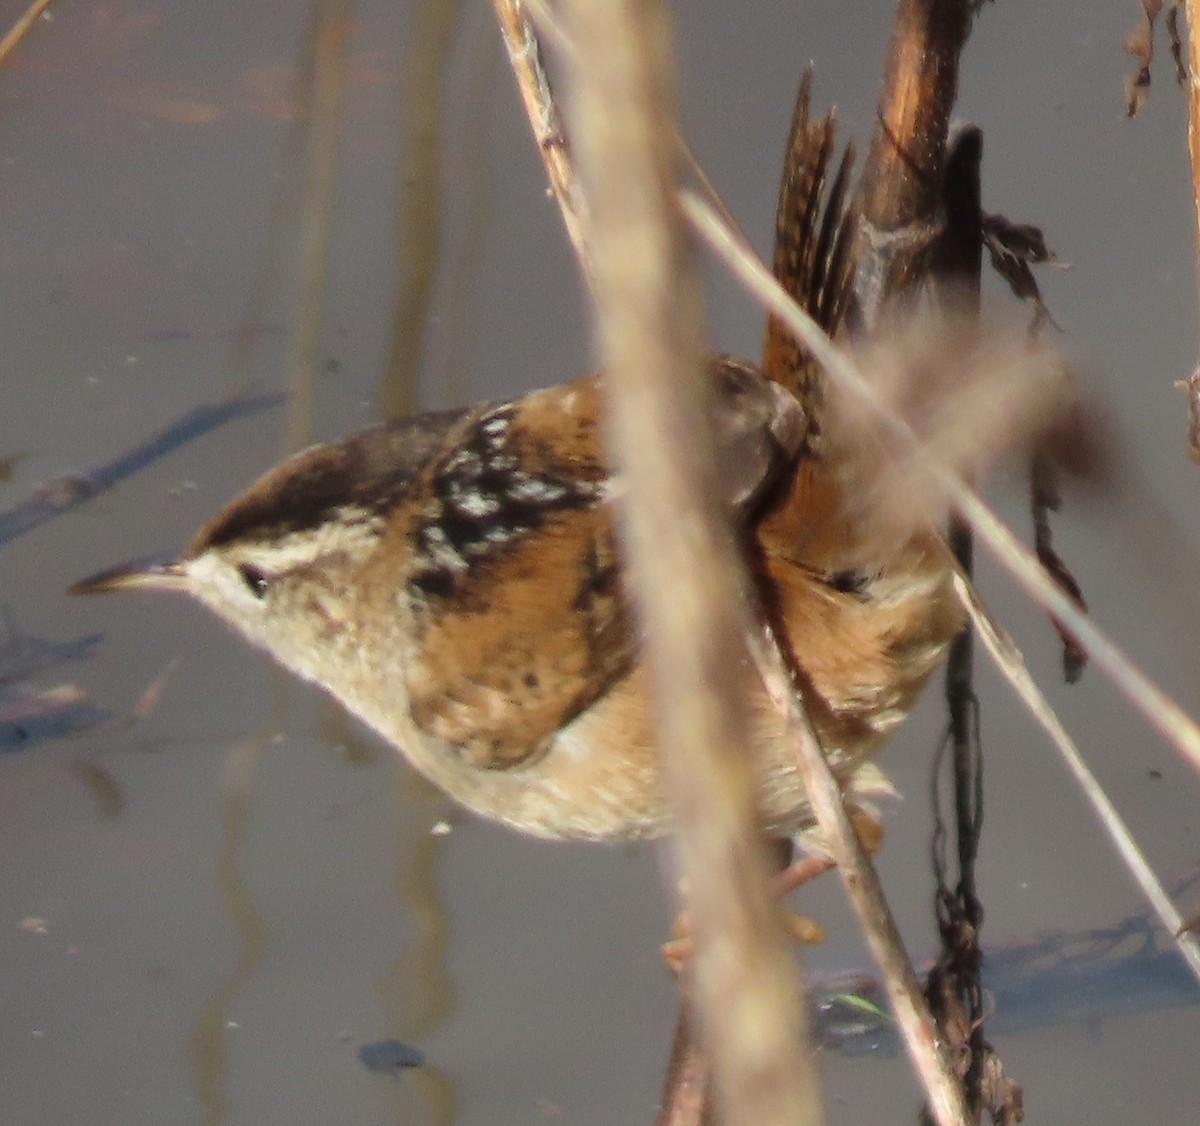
[
  {"x": 793, "y": 873},
  {"x": 681, "y": 946}
]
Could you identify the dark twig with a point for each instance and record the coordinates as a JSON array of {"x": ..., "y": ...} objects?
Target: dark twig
[
  {"x": 1043, "y": 499},
  {"x": 953, "y": 987},
  {"x": 920, "y": 214}
]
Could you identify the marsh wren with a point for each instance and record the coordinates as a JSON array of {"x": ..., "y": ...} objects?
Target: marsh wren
[{"x": 454, "y": 579}]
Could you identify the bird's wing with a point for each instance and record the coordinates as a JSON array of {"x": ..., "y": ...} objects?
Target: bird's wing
[{"x": 515, "y": 591}]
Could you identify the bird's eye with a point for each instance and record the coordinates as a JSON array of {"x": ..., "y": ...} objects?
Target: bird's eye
[
  {"x": 848, "y": 582},
  {"x": 254, "y": 578}
]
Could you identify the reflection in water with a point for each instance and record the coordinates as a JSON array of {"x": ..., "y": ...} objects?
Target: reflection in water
[
  {"x": 419, "y": 201},
  {"x": 207, "y": 1042},
  {"x": 324, "y": 83},
  {"x": 447, "y": 379},
  {"x": 68, "y": 492},
  {"x": 415, "y": 992},
  {"x": 336, "y": 729},
  {"x": 24, "y": 655},
  {"x": 29, "y": 713},
  {"x": 416, "y": 989},
  {"x": 103, "y": 786},
  {"x": 1049, "y": 980}
]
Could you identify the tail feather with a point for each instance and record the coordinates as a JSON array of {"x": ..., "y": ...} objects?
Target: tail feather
[{"x": 814, "y": 248}]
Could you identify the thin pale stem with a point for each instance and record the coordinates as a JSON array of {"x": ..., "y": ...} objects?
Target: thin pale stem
[
  {"x": 1008, "y": 658},
  {"x": 864, "y": 892},
  {"x": 525, "y": 55}
]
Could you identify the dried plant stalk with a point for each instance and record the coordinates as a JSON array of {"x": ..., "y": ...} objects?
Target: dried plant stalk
[
  {"x": 902, "y": 175},
  {"x": 865, "y": 894},
  {"x": 684, "y": 563},
  {"x": 525, "y": 56},
  {"x": 1008, "y": 659},
  {"x": 20, "y": 29},
  {"x": 1192, "y": 14}
]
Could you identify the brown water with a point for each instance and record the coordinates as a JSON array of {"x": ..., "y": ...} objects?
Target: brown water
[{"x": 206, "y": 911}]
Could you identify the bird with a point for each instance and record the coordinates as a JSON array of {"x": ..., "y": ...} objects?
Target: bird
[{"x": 455, "y": 579}]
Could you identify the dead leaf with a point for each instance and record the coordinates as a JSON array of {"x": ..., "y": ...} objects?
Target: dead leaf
[
  {"x": 1013, "y": 249},
  {"x": 1140, "y": 44}
]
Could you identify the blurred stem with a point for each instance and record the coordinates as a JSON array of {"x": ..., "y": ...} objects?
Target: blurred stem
[{"x": 684, "y": 563}]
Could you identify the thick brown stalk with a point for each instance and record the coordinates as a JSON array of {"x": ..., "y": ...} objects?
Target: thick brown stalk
[{"x": 902, "y": 176}]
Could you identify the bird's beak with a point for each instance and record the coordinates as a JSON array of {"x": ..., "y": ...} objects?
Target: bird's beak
[{"x": 142, "y": 575}]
